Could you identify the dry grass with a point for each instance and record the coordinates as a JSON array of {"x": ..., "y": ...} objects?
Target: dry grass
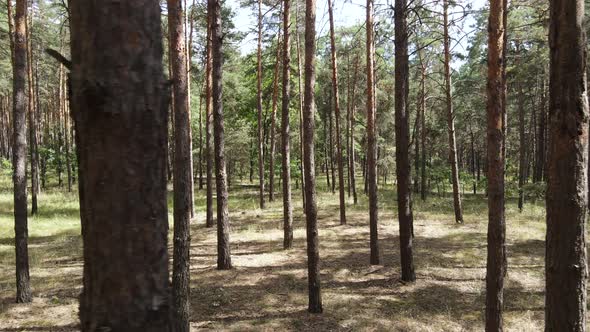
[{"x": 267, "y": 289}]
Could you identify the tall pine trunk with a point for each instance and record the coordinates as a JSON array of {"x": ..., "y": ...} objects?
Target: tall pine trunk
[
  {"x": 313, "y": 250},
  {"x": 19, "y": 152},
  {"x": 336, "y": 99},
  {"x": 273, "y": 121},
  {"x": 119, "y": 102},
  {"x": 451, "y": 120},
  {"x": 286, "y": 153},
  {"x": 259, "y": 107},
  {"x": 566, "y": 265},
  {"x": 223, "y": 246},
  {"x": 496, "y": 103},
  {"x": 402, "y": 153},
  {"x": 371, "y": 141},
  {"x": 182, "y": 170},
  {"x": 209, "y": 156}
]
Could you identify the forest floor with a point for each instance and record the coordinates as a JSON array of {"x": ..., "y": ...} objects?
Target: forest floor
[{"x": 267, "y": 289}]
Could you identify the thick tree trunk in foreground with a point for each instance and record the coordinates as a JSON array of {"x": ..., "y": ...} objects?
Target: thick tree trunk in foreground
[
  {"x": 223, "y": 246},
  {"x": 402, "y": 153},
  {"x": 19, "y": 153},
  {"x": 286, "y": 153},
  {"x": 565, "y": 265},
  {"x": 313, "y": 250},
  {"x": 496, "y": 259},
  {"x": 120, "y": 107},
  {"x": 182, "y": 171},
  {"x": 337, "y": 115},
  {"x": 371, "y": 141},
  {"x": 451, "y": 120}
]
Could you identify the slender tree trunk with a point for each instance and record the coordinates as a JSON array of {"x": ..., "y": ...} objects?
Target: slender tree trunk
[
  {"x": 327, "y": 154},
  {"x": 210, "y": 222},
  {"x": 371, "y": 141},
  {"x": 352, "y": 123},
  {"x": 403, "y": 170},
  {"x": 522, "y": 148},
  {"x": 301, "y": 102},
  {"x": 451, "y": 120},
  {"x": 259, "y": 107},
  {"x": 496, "y": 103},
  {"x": 223, "y": 246},
  {"x": 287, "y": 206},
  {"x": 182, "y": 170},
  {"x": 31, "y": 117},
  {"x": 313, "y": 254},
  {"x": 336, "y": 99},
  {"x": 275, "y": 96},
  {"x": 566, "y": 265},
  {"x": 423, "y": 185},
  {"x": 19, "y": 154},
  {"x": 541, "y": 138},
  {"x": 201, "y": 140},
  {"x": 124, "y": 220}
]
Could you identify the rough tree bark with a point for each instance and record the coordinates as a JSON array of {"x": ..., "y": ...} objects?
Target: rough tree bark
[
  {"x": 182, "y": 171},
  {"x": 496, "y": 103},
  {"x": 119, "y": 103},
  {"x": 19, "y": 153},
  {"x": 223, "y": 246},
  {"x": 402, "y": 155},
  {"x": 286, "y": 153},
  {"x": 371, "y": 141},
  {"x": 313, "y": 251},
  {"x": 336, "y": 99},
  {"x": 566, "y": 265}
]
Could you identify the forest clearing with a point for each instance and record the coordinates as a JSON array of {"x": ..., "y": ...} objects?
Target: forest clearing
[
  {"x": 266, "y": 290},
  {"x": 294, "y": 165}
]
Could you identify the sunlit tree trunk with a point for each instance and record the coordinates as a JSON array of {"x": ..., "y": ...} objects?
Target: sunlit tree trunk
[
  {"x": 275, "y": 96},
  {"x": 19, "y": 154},
  {"x": 259, "y": 107},
  {"x": 223, "y": 245},
  {"x": 209, "y": 156},
  {"x": 496, "y": 258}
]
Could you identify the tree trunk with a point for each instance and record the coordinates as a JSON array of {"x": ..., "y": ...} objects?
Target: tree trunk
[
  {"x": 352, "y": 122},
  {"x": 120, "y": 112},
  {"x": 19, "y": 152},
  {"x": 209, "y": 155},
  {"x": 287, "y": 206},
  {"x": 522, "y": 146},
  {"x": 223, "y": 246},
  {"x": 275, "y": 96},
  {"x": 423, "y": 187},
  {"x": 32, "y": 121},
  {"x": 182, "y": 170},
  {"x": 313, "y": 253},
  {"x": 566, "y": 266},
  {"x": 301, "y": 102},
  {"x": 259, "y": 107},
  {"x": 496, "y": 103},
  {"x": 403, "y": 171},
  {"x": 541, "y": 138},
  {"x": 451, "y": 120},
  {"x": 371, "y": 141},
  {"x": 337, "y": 115},
  {"x": 331, "y": 145}
]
